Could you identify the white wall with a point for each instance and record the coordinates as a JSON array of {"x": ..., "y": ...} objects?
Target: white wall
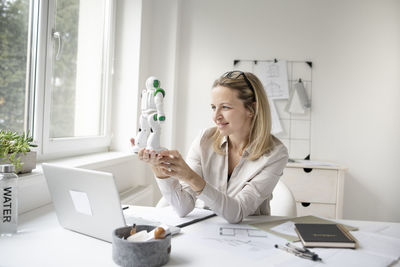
[
  {"x": 126, "y": 72},
  {"x": 128, "y": 38},
  {"x": 146, "y": 33},
  {"x": 355, "y": 48},
  {"x": 159, "y": 55}
]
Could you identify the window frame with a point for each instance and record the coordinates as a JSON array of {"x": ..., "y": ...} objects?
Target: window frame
[{"x": 38, "y": 92}]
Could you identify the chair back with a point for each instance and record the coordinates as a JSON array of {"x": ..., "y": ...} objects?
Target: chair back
[{"x": 283, "y": 202}]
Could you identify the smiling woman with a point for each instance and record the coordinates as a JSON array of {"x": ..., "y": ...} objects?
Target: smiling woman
[
  {"x": 232, "y": 168},
  {"x": 254, "y": 99},
  {"x": 229, "y": 113}
]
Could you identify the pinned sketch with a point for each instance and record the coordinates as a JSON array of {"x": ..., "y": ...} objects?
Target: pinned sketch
[
  {"x": 294, "y": 105},
  {"x": 276, "y": 123},
  {"x": 298, "y": 101},
  {"x": 274, "y": 77}
]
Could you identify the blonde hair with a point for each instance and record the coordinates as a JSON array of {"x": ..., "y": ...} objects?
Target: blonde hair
[{"x": 260, "y": 139}]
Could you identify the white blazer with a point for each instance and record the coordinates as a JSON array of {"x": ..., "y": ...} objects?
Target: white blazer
[{"x": 248, "y": 191}]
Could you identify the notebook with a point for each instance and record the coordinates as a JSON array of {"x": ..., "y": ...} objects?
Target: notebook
[
  {"x": 325, "y": 235},
  {"x": 88, "y": 202}
]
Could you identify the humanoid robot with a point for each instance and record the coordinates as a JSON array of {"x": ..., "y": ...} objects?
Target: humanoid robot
[{"x": 151, "y": 117}]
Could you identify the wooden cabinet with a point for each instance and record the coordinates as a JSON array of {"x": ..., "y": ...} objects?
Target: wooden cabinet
[{"x": 317, "y": 188}]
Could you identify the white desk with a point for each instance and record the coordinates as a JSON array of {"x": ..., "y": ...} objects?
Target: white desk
[{"x": 42, "y": 242}]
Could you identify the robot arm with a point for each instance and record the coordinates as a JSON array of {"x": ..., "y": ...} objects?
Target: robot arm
[{"x": 158, "y": 100}]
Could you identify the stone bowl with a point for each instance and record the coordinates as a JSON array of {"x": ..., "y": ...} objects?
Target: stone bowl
[{"x": 136, "y": 254}]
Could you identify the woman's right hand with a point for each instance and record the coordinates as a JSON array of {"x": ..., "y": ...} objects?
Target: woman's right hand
[
  {"x": 154, "y": 159},
  {"x": 150, "y": 157}
]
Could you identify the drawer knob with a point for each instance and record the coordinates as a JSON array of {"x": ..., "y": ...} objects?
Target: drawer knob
[
  {"x": 305, "y": 204},
  {"x": 307, "y": 170}
]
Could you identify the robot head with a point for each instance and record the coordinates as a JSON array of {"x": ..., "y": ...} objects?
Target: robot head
[{"x": 152, "y": 83}]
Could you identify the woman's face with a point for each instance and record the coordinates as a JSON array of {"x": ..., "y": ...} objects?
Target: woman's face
[{"x": 229, "y": 113}]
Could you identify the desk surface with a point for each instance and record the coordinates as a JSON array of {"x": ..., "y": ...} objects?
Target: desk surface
[{"x": 42, "y": 242}]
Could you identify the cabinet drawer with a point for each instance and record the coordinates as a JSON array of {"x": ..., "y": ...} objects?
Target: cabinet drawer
[
  {"x": 315, "y": 186},
  {"x": 324, "y": 210}
]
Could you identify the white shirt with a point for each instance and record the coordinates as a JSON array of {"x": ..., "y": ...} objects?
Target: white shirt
[{"x": 248, "y": 191}]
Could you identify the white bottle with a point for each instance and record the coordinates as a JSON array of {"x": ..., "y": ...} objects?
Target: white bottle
[{"x": 8, "y": 200}]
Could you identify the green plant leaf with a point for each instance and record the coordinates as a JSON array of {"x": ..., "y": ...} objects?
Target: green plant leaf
[{"x": 12, "y": 143}]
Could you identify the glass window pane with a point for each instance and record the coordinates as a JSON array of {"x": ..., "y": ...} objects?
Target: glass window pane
[
  {"x": 14, "y": 18},
  {"x": 77, "y": 74}
]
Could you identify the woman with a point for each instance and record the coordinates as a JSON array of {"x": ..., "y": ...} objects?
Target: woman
[{"x": 232, "y": 167}]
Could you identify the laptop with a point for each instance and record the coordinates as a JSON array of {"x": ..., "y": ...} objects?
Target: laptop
[{"x": 87, "y": 201}]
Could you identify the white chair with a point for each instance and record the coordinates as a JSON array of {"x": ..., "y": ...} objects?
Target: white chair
[
  {"x": 283, "y": 202},
  {"x": 162, "y": 203}
]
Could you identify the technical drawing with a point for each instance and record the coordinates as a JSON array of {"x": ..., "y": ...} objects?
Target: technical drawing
[
  {"x": 246, "y": 232},
  {"x": 273, "y": 71}
]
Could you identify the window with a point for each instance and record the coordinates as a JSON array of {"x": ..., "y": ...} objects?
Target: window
[
  {"x": 57, "y": 74},
  {"x": 14, "y": 18}
]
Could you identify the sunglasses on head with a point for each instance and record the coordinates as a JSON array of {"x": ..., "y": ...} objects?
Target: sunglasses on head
[{"x": 236, "y": 74}]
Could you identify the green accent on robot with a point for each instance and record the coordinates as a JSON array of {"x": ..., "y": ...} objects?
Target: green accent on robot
[
  {"x": 162, "y": 118},
  {"x": 159, "y": 90},
  {"x": 156, "y": 83},
  {"x": 155, "y": 117}
]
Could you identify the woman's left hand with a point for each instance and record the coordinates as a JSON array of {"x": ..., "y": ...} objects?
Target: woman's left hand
[{"x": 174, "y": 165}]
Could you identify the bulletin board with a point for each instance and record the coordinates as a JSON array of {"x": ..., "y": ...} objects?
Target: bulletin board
[{"x": 296, "y": 128}]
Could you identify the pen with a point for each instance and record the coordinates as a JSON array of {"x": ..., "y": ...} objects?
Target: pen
[
  {"x": 195, "y": 221},
  {"x": 313, "y": 257},
  {"x": 299, "y": 249},
  {"x": 303, "y": 250}
]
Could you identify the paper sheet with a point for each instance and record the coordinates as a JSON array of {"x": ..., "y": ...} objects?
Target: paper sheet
[
  {"x": 274, "y": 78},
  {"x": 165, "y": 215},
  {"x": 287, "y": 228},
  {"x": 294, "y": 104},
  {"x": 301, "y": 91},
  {"x": 390, "y": 230},
  {"x": 276, "y": 123},
  {"x": 339, "y": 257},
  {"x": 241, "y": 240},
  {"x": 298, "y": 100},
  {"x": 378, "y": 244}
]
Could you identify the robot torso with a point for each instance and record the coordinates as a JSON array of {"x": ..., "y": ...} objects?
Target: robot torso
[{"x": 148, "y": 104}]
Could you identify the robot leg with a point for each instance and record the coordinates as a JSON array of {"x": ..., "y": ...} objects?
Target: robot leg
[
  {"x": 142, "y": 135},
  {"x": 153, "y": 142}
]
